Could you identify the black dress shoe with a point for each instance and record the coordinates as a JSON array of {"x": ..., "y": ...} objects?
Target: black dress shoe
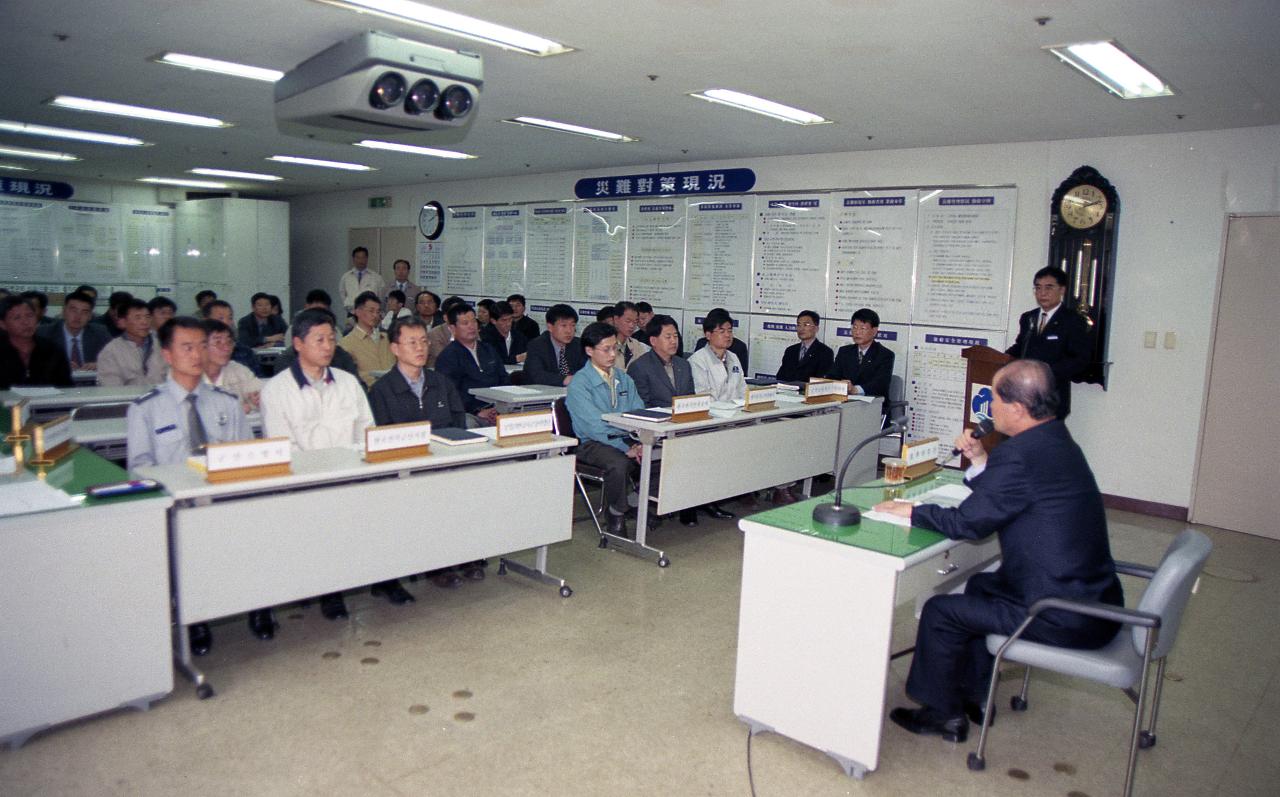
[
  {"x": 446, "y": 579},
  {"x": 201, "y": 638},
  {"x": 716, "y": 512},
  {"x": 974, "y": 712},
  {"x": 474, "y": 570},
  {"x": 333, "y": 607},
  {"x": 262, "y": 624},
  {"x": 393, "y": 592},
  {"x": 617, "y": 525},
  {"x": 926, "y": 721},
  {"x": 689, "y": 517}
]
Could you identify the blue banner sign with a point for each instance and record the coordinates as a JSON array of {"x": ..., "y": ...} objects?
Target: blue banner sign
[
  {"x": 36, "y": 189},
  {"x": 711, "y": 181}
]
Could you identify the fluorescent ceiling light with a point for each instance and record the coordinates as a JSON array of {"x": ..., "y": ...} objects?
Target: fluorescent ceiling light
[
  {"x": 220, "y": 67},
  {"x": 578, "y": 130},
  {"x": 351, "y": 167},
  {"x": 13, "y": 168},
  {"x": 135, "y": 112},
  {"x": 185, "y": 183},
  {"x": 76, "y": 135},
  {"x": 412, "y": 150},
  {"x": 38, "y": 154},
  {"x": 748, "y": 102},
  {"x": 456, "y": 24},
  {"x": 1115, "y": 69},
  {"x": 235, "y": 175}
]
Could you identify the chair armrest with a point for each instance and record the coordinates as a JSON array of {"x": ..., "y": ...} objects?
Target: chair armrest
[
  {"x": 1102, "y": 611},
  {"x": 1135, "y": 569}
]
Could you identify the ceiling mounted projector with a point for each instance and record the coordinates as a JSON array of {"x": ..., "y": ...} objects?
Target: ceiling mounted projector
[{"x": 379, "y": 84}]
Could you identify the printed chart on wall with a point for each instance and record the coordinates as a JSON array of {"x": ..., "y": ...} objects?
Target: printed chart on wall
[
  {"x": 28, "y": 248},
  {"x": 655, "y": 252},
  {"x": 770, "y": 337},
  {"x": 463, "y": 241},
  {"x": 503, "y": 251},
  {"x": 966, "y": 257},
  {"x": 718, "y": 270},
  {"x": 148, "y": 244},
  {"x": 935, "y": 380},
  {"x": 873, "y": 237},
  {"x": 791, "y": 254},
  {"x": 548, "y": 251},
  {"x": 89, "y": 244},
  {"x": 599, "y": 252}
]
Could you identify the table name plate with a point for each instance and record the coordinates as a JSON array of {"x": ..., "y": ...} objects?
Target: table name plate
[{"x": 397, "y": 441}]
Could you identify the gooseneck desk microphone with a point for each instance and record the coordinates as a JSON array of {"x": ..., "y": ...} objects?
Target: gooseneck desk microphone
[{"x": 838, "y": 513}]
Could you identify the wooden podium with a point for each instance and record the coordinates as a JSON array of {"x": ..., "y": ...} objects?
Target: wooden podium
[{"x": 982, "y": 362}]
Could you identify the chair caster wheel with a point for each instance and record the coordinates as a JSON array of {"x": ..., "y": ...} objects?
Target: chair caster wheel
[
  {"x": 204, "y": 691},
  {"x": 502, "y": 568},
  {"x": 1146, "y": 740},
  {"x": 604, "y": 541},
  {"x": 1017, "y": 703},
  {"x": 976, "y": 764},
  {"x": 664, "y": 561},
  {"x": 565, "y": 591}
]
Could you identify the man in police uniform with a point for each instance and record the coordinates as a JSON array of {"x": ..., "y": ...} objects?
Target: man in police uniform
[{"x": 177, "y": 418}]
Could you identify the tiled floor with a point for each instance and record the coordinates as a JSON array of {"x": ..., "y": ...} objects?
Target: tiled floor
[{"x": 503, "y": 687}]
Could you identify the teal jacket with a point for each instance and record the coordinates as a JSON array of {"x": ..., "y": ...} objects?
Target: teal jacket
[{"x": 589, "y": 398}]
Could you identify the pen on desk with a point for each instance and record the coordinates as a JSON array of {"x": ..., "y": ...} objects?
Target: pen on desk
[{"x": 904, "y": 501}]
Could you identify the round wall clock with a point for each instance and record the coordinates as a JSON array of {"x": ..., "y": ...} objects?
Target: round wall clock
[{"x": 431, "y": 220}]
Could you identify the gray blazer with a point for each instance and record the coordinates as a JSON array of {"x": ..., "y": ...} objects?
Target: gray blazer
[{"x": 651, "y": 379}]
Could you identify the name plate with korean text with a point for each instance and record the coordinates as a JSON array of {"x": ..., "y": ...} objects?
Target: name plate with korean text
[
  {"x": 19, "y": 415},
  {"x": 397, "y": 441},
  {"x": 695, "y": 407},
  {"x": 760, "y": 398},
  {"x": 819, "y": 391},
  {"x": 248, "y": 459},
  {"x": 921, "y": 456},
  {"x": 517, "y": 428},
  {"x": 51, "y": 441}
]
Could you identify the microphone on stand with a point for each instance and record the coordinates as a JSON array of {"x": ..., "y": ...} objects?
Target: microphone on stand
[
  {"x": 984, "y": 428},
  {"x": 837, "y": 513}
]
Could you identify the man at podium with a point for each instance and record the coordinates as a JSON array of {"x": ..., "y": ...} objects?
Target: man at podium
[{"x": 1055, "y": 334}]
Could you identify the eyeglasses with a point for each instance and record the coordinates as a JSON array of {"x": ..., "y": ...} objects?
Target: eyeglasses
[{"x": 805, "y": 324}]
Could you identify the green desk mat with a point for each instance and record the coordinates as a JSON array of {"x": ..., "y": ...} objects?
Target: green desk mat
[{"x": 79, "y": 471}]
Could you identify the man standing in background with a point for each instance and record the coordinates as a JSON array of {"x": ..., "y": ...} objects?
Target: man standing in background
[
  {"x": 402, "y": 281},
  {"x": 1054, "y": 334},
  {"x": 359, "y": 279}
]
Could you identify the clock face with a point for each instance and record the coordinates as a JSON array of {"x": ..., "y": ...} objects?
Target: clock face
[
  {"x": 431, "y": 220},
  {"x": 1083, "y": 206}
]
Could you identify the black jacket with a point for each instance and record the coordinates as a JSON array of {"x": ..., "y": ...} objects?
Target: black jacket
[
  {"x": 392, "y": 401},
  {"x": 817, "y": 363},
  {"x": 519, "y": 344},
  {"x": 540, "y": 364},
  {"x": 48, "y": 365},
  {"x": 92, "y": 338},
  {"x": 528, "y": 327},
  {"x": 872, "y": 374},
  {"x": 247, "y": 329},
  {"x": 1066, "y": 345}
]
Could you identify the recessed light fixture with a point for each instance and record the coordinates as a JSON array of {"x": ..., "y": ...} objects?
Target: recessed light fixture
[
  {"x": 235, "y": 175},
  {"x": 577, "y": 130},
  {"x": 351, "y": 167},
  {"x": 220, "y": 67},
  {"x": 181, "y": 182},
  {"x": 13, "y": 168},
  {"x": 455, "y": 24},
  {"x": 412, "y": 150},
  {"x": 750, "y": 102},
  {"x": 135, "y": 112},
  {"x": 38, "y": 154},
  {"x": 1119, "y": 72},
  {"x": 26, "y": 129}
]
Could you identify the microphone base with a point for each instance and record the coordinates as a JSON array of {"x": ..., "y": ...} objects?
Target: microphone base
[{"x": 832, "y": 515}]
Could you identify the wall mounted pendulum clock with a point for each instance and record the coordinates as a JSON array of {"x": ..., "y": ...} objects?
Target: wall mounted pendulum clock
[{"x": 1082, "y": 242}]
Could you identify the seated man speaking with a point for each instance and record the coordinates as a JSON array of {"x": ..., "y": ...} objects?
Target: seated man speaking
[{"x": 1037, "y": 492}]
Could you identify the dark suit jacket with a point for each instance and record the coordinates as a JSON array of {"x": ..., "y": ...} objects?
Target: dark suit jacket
[
  {"x": 643, "y": 337},
  {"x": 1038, "y": 493},
  {"x": 519, "y": 344},
  {"x": 818, "y": 363},
  {"x": 48, "y": 365},
  {"x": 528, "y": 327},
  {"x": 457, "y": 363},
  {"x": 540, "y": 364},
  {"x": 737, "y": 347},
  {"x": 247, "y": 329},
  {"x": 872, "y": 375},
  {"x": 652, "y": 383},
  {"x": 392, "y": 401},
  {"x": 92, "y": 338},
  {"x": 1066, "y": 345}
]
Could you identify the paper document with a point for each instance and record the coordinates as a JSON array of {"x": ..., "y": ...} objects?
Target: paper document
[
  {"x": 885, "y": 517},
  {"x": 949, "y": 495},
  {"x": 867, "y": 399},
  {"x": 36, "y": 392},
  {"x": 789, "y": 398},
  {"x": 22, "y": 497},
  {"x": 515, "y": 390},
  {"x": 490, "y": 432}
]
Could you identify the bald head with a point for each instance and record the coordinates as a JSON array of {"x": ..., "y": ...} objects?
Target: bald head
[{"x": 1030, "y": 384}]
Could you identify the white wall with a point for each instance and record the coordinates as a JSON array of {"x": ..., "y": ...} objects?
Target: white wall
[{"x": 1175, "y": 189}]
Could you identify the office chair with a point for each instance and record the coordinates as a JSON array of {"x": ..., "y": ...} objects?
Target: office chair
[
  {"x": 99, "y": 412},
  {"x": 562, "y": 425},
  {"x": 1126, "y": 662}
]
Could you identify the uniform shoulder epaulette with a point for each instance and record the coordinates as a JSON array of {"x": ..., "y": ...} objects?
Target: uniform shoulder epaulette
[
  {"x": 224, "y": 391},
  {"x": 150, "y": 394}
]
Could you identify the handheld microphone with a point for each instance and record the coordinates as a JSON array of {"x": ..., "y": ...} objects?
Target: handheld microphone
[{"x": 984, "y": 427}]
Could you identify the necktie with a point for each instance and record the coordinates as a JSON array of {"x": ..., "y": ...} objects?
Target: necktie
[
  {"x": 804, "y": 353},
  {"x": 195, "y": 428},
  {"x": 77, "y": 359},
  {"x": 626, "y": 356},
  {"x": 359, "y": 277},
  {"x": 562, "y": 363},
  {"x": 1044, "y": 318}
]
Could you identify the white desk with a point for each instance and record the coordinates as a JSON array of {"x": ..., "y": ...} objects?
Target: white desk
[
  {"x": 85, "y": 593},
  {"x": 816, "y": 620},
  {"x": 710, "y": 460},
  {"x": 68, "y": 398},
  {"x": 84, "y": 377},
  {"x": 516, "y": 398},
  {"x": 253, "y": 544}
]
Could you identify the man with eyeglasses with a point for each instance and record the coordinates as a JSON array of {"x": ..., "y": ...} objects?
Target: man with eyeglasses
[
  {"x": 866, "y": 363},
  {"x": 1054, "y": 334},
  {"x": 808, "y": 358}
]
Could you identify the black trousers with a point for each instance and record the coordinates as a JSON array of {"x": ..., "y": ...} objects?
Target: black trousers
[
  {"x": 951, "y": 663},
  {"x": 616, "y": 466}
]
